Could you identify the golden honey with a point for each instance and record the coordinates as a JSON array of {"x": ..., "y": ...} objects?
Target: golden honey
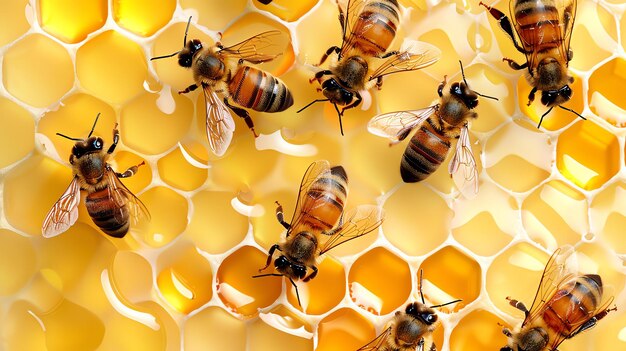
[{"x": 184, "y": 278}]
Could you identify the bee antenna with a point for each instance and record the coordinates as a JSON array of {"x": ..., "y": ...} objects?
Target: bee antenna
[
  {"x": 297, "y": 293},
  {"x": 184, "y": 43},
  {"x": 165, "y": 56},
  {"x": 419, "y": 287},
  {"x": 340, "y": 120},
  {"x": 485, "y": 96},
  {"x": 311, "y": 103},
  {"x": 572, "y": 111},
  {"x": 94, "y": 125},
  {"x": 544, "y": 114},
  {"x": 447, "y": 303},
  {"x": 73, "y": 139},
  {"x": 463, "y": 73},
  {"x": 186, "y": 30},
  {"x": 267, "y": 275}
]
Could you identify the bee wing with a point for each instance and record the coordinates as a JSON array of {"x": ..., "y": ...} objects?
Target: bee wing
[
  {"x": 260, "y": 48},
  {"x": 351, "y": 14},
  {"x": 462, "y": 167},
  {"x": 397, "y": 125},
  {"x": 219, "y": 122},
  {"x": 415, "y": 56},
  {"x": 120, "y": 194},
  {"x": 353, "y": 224},
  {"x": 315, "y": 170},
  {"x": 64, "y": 212},
  {"x": 377, "y": 342}
]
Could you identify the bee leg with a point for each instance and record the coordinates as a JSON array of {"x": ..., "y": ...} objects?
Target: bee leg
[
  {"x": 116, "y": 139},
  {"x": 280, "y": 217},
  {"x": 328, "y": 52},
  {"x": 592, "y": 322},
  {"x": 243, "y": 114},
  {"x": 342, "y": 19},
  {"x": 379, "y": 82},
  {"x": 318, "y": 76},
  {"x": 354, "y": 104},
  {"x": 442, "y": 85},
  {"x": 516, "y": 66},
  {"x": 507, "y": 332},
  {"x": 190, "y": 88},
  {"x": 519, "y": 305},
  {"x": 312, "y": 275},
  {"x": 269, "y": 256},
  {"x": 130, "y": 171},
  {"x": 531, "y": 96},
  {"x": 388, "y": 54},
  {"x": 340, "y": 114},
  {"x": 504, "y": 23}
]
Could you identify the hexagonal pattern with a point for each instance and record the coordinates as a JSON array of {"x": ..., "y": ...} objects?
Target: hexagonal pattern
[
  {"x": 142, "y": 17},
  {"x": 71, "y": 21}
]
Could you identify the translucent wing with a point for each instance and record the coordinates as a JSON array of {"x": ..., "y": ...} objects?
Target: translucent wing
[
  {"x": 260, "y": 48},
  {"x": 219, "y": 122},
  {"x": 351, "y": 15},
  {"x": 122, "y": 196},
  {"x": 414, "y": 56},
  {"x": 354, "y": 224},
  {"x": 313, "y": 173},
  {"x": 397, "y": 125},
  {"x": 378, "y": 342},
  {"x": 64, "y": 212},
  {"x": 462, "y": 167},
  {"x": 568, "y": 8}
]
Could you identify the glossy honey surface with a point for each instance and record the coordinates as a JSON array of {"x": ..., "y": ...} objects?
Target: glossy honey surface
[{"x": 183, "y": 280}]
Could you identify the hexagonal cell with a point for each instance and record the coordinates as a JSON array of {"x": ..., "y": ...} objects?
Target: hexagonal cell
[
  {"x": 344, "y": 329},
  {"x": 519, "y": 263},
  {"x": 557, "y": 118},
  {"x": 32, "y": 82},
  {"x": 121, "y": 67},
  {"x": 278, "y": 330},
  {"x": 379, "y": 281},
  {"x": 17, "y": 262},
  {"x": 184, "y": 278},
  {"x": 226, "y": 332},
  {"x": 236, "y": 287},
  {"x": 20, "y": 331},
  {"x": 604, "y": 95},
  {"x": 454, "y": 274},
  {"x": 608, "y": 214},
  {"x": 169, "y": 216},
  {"x": 588, "y": 155},
  {"x": 71, "y": 21},
  {"x": 16, "y": 132},
  {"x": 596, "y": 258},
  {"x": 478, "y": 331},
  {"x": 555, "y": 214},
  {"x": 144, "y": 337},
  {"x": 145, "y": 128},
  {"x": 287, "y": 10},
  {"x": 123, "y": 160},
  {"x": 595, "y": 33},
  {"x": 14, "y": 19},
  {"x": 492, "y": 215},
  {"x": 131, "y": 274},
  {"x": 412, "y": 204},
  {"x": 205, "y": 12},
  {"x": 177, "y": 172},
  {"x": 515, "y": 146},
  {"x": 142, "y": 17},
  {"x": 321, "y": 294},
  {"x": 215, "y": 226}
]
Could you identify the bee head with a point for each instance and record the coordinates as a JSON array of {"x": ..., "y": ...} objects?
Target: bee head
[
  {"x": 185, "y": 56},
  {"x": 506, "y": 348},
  {"x": 465, "y": 94},
  {"x": 285, "y": 266},
  {"x": 91, "y": 145},
  {"x": 336, "y": 93},
  {"x": 421, "y": 312},
  {"x": 556, "y": 97}
]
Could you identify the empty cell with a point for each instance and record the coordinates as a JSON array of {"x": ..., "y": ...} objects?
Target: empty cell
[
  {"x": 477, "y": 331},
  {"x": 168, "y": 211},
  {"x": 264, "y": 336},
  {"x": 71, "y": 21},
  {"x": 131, "y": 274},
  {"x": 237, "y": 289},
  {"x": 344, "y": 329},
  {"x": 417, "y": 219},
  {"x": 185, "y": 277},
  {"x": 379, "y": 281},
  {"x": 454, "y": 273},
  {"x": 608, "y": 215},
  {"x": 16, "y": 132},
  {"x": 287, "y": 10},
  {"x": 604, "y": 94},
  {"x": 226, "y": 332},
  {"x": 325, "y": 291},
  {"x": 121, "y": 67},
  {"x": 212, "y": 13},
  {"x": 177, "y": 172},
  {"x": 587, "y": 154},
  {"x": 18, "y": 262},
  {"x": 26, "y": 78},
  {"x": 594, "y": 37},
  {"x": 14, "y": 19},
  {"x": 142, "y": 17}
]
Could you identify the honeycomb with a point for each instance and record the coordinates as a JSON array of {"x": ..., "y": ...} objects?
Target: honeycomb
[{"x": 184, "y": 279}]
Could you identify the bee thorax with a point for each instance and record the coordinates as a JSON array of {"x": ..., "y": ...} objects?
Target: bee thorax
[
  {"x": 533, "y": 339},
  {"x": 352, "y": 72},
  {"x": 209, "y": 66}
]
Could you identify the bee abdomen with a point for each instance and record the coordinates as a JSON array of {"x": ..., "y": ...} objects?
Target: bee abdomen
[
  {"x": 376, "y": 27},
  {"x": 424, "y": 154},
  {"x": 539, "y": 25},
  {"x": 260, "y": 91},
  {"x": 106, "y": 214},
  {"x": 327, "y": 196}
]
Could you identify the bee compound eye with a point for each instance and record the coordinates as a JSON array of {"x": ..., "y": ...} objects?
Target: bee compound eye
[
  {"x": 281, "y": 262},
  {"x": 410, "y": 309},
  {"x": 300, "y": 271}
]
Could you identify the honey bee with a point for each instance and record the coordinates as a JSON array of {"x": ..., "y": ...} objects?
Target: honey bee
[
  {"x": 566, "y": 303},
  {"x": 109, "y": 203},
  {"x": 221, "y": 70},
  {"x": 319, "y": 223},
  {"x": 544, "y": 29},
  {"x": 265, "y": 2},
  {"x": 436, "y": 126},
  {"x": 411, "y": 330},
  {"x": 369, "y": 27}
]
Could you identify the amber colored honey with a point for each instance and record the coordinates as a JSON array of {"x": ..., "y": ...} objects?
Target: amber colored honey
[{"x": 183, "y": 280}]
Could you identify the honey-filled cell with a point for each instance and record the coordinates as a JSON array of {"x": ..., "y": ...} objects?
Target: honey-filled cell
[
  {"x": 25, "y": 77},
  {"x": 16, "y": 132},
  {"x": 379, "y": 281},
  {"x": 177, "y": 172},
  {"x": 324, "y": 292},
  {"x": 344, "y": 329},
  {"x": 168, "y": 211},
  {"x": 141, "y": 16},
  {"x": 19, "y": 330},
  {"x": 123, "y": 333},
  {"x": 131, "y": 275},
  {"x": 18, "y": 262},
  {"x": 479, "y": 330},
  {"x": 14, "y": 19},
  {"x": 237, "y": 289},
  {"x": 588, "y": 155},
  {"x": 593, "y": 258},
  {"x": 285, "y": 9},
  {"x": 226, "y": 332},
  {"x": 594, "y": 37},
  {"x": 71, "y": 21},
  {"x": 123, "y": 160},
  {"x": 608, "y": 213},
  {"x": 555, "y": 214},
  {"x": 282, "y": 336},
  {"x": 212, "y": 14},
  {"x": 610, "y": 332},
  {"x": 604, "y": 94}
]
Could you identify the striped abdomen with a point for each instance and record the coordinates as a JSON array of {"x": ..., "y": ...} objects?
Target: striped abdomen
[
  {"x": 539, "y": 25},
  {"x": 376, "y": 26},
  {"x": 324, "y": 201},
  {"x": 107, "y": 214},
  {"x": 424, "y": 154},
  {"x": 573, "y": 304},
  {"x": 258, "y": 90}
]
